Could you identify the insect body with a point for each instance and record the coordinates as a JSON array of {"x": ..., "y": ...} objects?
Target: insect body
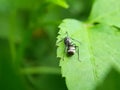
[{"x": 70, "y": 48}]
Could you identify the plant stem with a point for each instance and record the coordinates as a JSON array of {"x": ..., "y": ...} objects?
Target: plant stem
[{"x": 41, "y": 70}]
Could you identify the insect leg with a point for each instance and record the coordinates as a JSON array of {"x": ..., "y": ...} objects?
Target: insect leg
[
  {"x": 76, "y": 40},
  {"x": 62, "y": 38},
  {"x": 78, "y": 53},
  {"x": 64, "y": 52},
  {"x": 59, "y": 41}
]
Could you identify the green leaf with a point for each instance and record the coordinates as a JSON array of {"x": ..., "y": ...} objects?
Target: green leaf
[
  {"x": 99, "y": 52},
  {"x": 61, "y": 3},
  {"x": 107, "y": 12}
]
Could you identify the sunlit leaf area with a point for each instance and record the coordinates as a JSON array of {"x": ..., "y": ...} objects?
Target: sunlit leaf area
[{"x": 59, "y": 45}]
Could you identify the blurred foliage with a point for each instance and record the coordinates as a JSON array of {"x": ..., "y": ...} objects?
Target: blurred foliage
[
  {"x": 27, "y": 41},
  {"x": 28, "y": 30}
]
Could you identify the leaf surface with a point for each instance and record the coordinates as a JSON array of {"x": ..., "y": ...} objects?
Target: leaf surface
[{"x": 99, "y": 52}]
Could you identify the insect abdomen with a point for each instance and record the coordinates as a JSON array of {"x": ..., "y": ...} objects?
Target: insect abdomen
[{"x": 70, "y": 50}]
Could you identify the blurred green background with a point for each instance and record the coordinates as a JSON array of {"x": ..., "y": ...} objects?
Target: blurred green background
[{"x": 28, "y": 30}]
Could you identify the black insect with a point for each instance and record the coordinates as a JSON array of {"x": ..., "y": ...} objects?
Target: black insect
[{"x": 70, "y": 47}]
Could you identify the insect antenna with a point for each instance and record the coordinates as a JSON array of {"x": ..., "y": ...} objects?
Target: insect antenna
[{"x": 67, "y": 33}]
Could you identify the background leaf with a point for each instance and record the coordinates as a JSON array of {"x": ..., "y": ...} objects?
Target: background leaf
[
  {"x": 111, "y": 82},
  {"x": 99, "y": 52},
  {"x": 107, "y": 12},
  {"x": 10, "y": 76},
  {"x": 61, "y": 3}
]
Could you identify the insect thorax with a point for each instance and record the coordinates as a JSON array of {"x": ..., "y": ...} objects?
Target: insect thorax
[{"x": 67, "y": 41}]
